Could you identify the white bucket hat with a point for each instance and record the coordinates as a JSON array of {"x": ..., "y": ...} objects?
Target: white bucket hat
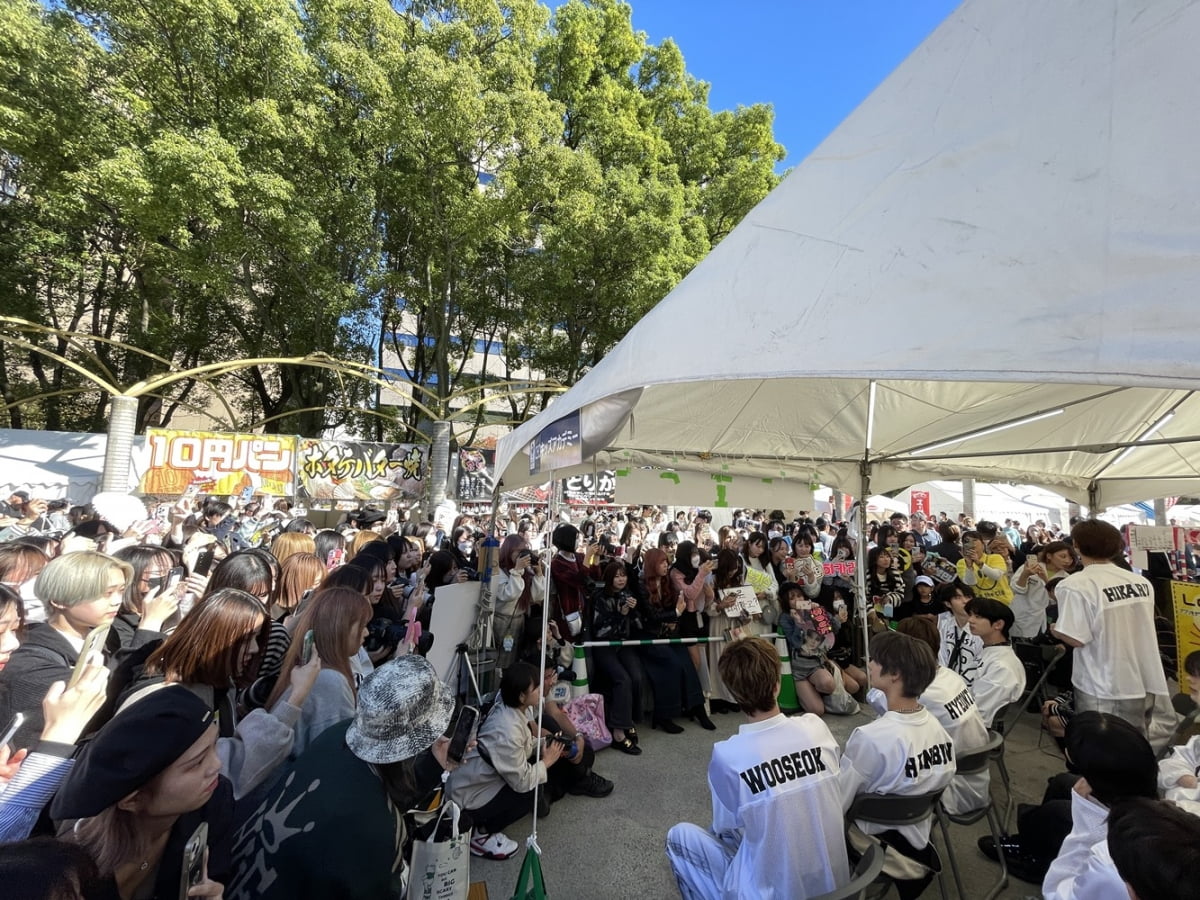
[{"x": 402, "y": 709}]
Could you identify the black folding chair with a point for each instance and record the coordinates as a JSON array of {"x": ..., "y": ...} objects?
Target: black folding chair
[
  {"x": 973, "y": 763},
  {"x": 864, "y": 875},
  {"x": 898, "y": 811}
]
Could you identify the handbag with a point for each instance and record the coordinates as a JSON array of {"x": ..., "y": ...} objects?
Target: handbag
[
  {"x": 587, "y": 715},
  {"x": 840, "y": 703},
  {"x": 531, "y": 883},
  {"x": 441, "y": 869}
]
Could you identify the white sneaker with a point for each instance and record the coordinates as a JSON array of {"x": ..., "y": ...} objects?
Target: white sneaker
[{"x": 493, "y": 846}]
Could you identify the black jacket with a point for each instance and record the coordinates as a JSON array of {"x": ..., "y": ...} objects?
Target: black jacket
[{"x": 44, "y": 657}]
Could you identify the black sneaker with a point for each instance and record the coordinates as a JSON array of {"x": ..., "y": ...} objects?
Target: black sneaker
[
  {"x": 592, "y": 785},
  {"x": 1021, "y": 863}
]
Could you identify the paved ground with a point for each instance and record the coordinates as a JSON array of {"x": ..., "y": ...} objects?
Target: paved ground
[{"x": 613, "y": 848}]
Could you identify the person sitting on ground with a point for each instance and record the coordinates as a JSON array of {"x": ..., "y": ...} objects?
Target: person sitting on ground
[
  {"x": 499, "y": 778},
  {"x": 776, "y": 800},
  {"x": 575, "y": 775},
  {"x": 1000, "y": 679},
  {"x": 1108, "y": 755},
  {"x": 923, "y": 603},
  {"x": 953, "y": 705},
  {"x": 1155, "y": 849},
  {"x": 1076, "y": 874},
  {"x": 904, "y": 751},
  {"x": 139, "y": 791},
  {"x": 1178, "y": 771},
  {"x": 337, "y": 822},
  {"x": 810, "y": 632}
]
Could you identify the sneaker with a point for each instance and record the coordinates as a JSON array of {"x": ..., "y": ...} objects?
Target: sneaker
[
  {"x": 493, "y": 846},
  {"x": 592, "y": 785}
]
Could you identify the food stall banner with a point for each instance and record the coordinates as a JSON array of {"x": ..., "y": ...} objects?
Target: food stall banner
[
  {"x": 358, "y": 470},
  {"x": 218, "y": 463}
]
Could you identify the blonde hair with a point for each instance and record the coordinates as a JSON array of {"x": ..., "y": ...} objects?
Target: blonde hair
[
  {"x": 76, "y": 578},
  {"x": 290, "y": 543},
  {"x": 301, "y": 572},
  {"x": 361, "y": 540}
]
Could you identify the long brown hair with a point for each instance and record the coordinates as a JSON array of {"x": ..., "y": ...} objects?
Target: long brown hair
[
  {"x": 658, "y": 587},
  {"x": 330, "y": 615},
  {"x": 207, "y": 646},
  {"x": 300, "y": 572}
]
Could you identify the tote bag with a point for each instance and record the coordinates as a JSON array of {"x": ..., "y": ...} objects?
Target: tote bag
[{"x": 441, "y": 869}]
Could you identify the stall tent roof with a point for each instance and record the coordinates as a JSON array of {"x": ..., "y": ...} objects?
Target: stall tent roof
[{"x": 1007, "y": 229}]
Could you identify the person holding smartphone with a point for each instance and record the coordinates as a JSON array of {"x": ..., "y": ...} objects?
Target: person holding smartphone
[
  {"x": 518, "y": 588},
  {"x": 81, "y": 591},
  {"x": 140, "y": 790}
]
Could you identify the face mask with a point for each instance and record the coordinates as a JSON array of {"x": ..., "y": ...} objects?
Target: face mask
[
  {"x": 696, "y": 561},
  {"x": 431, "y": 540},
  {"x": 775, "y": 534},
  {"x": 465, "y": 546}
]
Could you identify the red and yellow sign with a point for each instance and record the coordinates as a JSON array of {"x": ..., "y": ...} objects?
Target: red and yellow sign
[{"x": 223, "y": 463}]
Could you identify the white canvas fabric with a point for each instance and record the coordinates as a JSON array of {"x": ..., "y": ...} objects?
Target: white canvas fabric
[{"x": 1004, "y": 229}]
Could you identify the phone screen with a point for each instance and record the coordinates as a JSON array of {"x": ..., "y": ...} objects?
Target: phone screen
[
  {"x": 92, "y": 644},
  {"x": 464, "y": 730},
  {"x": 13, "y": 727},
  {"x": 307, "y": 650}
]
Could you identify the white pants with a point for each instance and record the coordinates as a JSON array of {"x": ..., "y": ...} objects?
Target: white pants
[{"x": 699, "y": 861}]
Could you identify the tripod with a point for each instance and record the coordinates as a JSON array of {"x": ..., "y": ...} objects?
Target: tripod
[{"x": 463, "y": 675}]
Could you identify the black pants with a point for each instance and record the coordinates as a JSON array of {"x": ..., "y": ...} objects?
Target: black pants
[
  {"x": 510, "y": 806},
  {"x": 623, "y": 668},
  {"x": 1044, "y": 828},
  {"x": 676, "y": 683}
]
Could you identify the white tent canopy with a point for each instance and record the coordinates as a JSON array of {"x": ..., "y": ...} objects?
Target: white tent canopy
[{"x": 1001, "y": 246}]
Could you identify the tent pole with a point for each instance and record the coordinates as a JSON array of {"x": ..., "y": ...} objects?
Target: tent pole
[{"x": 860, "y": 570}]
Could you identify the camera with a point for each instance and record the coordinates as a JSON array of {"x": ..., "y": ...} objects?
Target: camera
[{"x": 384, "y": 634}]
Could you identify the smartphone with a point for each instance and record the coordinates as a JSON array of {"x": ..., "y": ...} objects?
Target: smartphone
[
  {"x": 335, "y": 558},
  {"x": 205, "y": 560},
  {"x": 93, "y": 643},
  {"x": 247, "y": 495},
  {"x": 789, "y": 562},
  {"x": 307, "y": 650},
  {"x": 13, "y": 727},
  {"x": 193, "y": 860},
  {"x": 464, "y": 730},
  {"x": 174, "y": 576}
]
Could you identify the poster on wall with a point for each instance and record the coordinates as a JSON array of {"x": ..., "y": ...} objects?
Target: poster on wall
[
  {"x": 475, "y": 474},
  {"x": 1185, "y": 602},
  {"x": 220, "y": 463},
  {"x": 358, "y": 470}
]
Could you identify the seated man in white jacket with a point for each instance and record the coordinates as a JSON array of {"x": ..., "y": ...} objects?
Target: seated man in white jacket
[
  {"x": 951, "y": 702},
  {"x": 1116, "y": 763},
  {"x": 1000, "y": 679},
  {"x": 777, "y": 811}
]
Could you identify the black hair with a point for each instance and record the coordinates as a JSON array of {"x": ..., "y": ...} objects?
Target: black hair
[
  {"x": 516, "y": 680},
  {"x": 326, "y": 540},
  {"x": 215, "y": 508},
  {"x": 441, "y": 563},
  {"x": 565, "y": 538},
  {"x": 911, "y": 659},
  {"x": 943, "y": 592},
  {"x": 304, "y": 526},
  {"x": 1115, "y": 758},
  {"x": 356, "y": 578},
  {"x": 992, "y": 610},
  {"x": 246, "y": 570},
  {"x": 1097, "y": 539},
  {"x": 1155, "y": 847},
  {"x": 44, "y": 868},
  {"x": 683, "y": 560},
  {"x": 1191, "y": 664}
]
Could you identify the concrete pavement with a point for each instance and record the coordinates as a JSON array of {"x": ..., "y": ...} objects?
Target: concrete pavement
[{"x": 613, "y": 847}]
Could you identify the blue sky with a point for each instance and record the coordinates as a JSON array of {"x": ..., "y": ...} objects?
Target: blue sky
[{"x": 813, "y": 60}]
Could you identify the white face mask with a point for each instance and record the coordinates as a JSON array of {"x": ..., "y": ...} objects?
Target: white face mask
[
  {"x": 466, "y": 546},
  {"x": 696, "y": 561}
]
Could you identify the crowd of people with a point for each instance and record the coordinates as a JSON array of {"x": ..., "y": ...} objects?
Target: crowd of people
[{"x": 201, "y": 672}]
